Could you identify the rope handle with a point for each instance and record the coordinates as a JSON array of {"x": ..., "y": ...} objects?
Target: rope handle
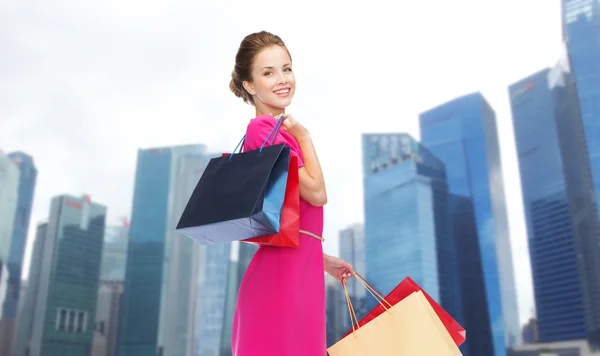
[
  {"x": 375, "y": 295},
  {"x": 273, "y": 132}
]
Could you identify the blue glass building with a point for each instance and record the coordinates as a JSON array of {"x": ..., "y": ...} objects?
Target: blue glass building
[
  {"x": 562, "y": 220},
  {"x": 352, "y": 250},
  {"x": 581, "y": 32},
  {"x": 549, "y": 225},
  {"x": 26, "y": 190},
  {"x": 16, "y": 241},
  {"x": 69, "y": 272},
  {"x": 406, "y": 231},
  {"x": 156, "y": 277},
  {"x": 462, "y": 134},
  {"x": 25, "y": 326}
]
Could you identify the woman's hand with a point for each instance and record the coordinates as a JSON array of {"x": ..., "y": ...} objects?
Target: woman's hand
[
  {"x": 338, "y": 268},
  {"x": 293, "y": 127}
]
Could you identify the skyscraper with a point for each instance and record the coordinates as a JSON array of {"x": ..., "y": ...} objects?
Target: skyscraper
[
  {"x": 581, "y": 33},
  {"x": 462, "y": 134},
  {"x": 352, "y": 250},
  {"x": 163, "y": 266},
  {"x": 9, "y": 184},
  {"x": 110, "y": 290},
  {"x": 558, "y": 196},
  {"x": 406, "y": 231},
  {"x": 18, "y": 240},
  {"x": 22, "y": 345},
  {"x": 65, "y": 300}
]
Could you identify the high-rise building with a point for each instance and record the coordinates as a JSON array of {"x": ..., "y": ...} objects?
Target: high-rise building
[
  {"x": 22, "y": 345},
  {"x": 530, "y": 332},
  {"x": 25, "y": 192},
  {"x": 69, "y": 272},
  {"x": 581, "y": 33},
  {"x": 352, "y": 250},
  {"x": 211, "y": 301},
  {"x": 559, "y": 201},
  {"x": 165, "y": 269},
  {"x": 9, "y": 185},
  {"x": 462, "y": 134},
  {"x": 110, "y": 290},
  {"x": 406, "y": 231}
]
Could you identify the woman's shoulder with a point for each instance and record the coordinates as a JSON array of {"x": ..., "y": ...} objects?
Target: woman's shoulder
[{"x": 261, "y": 122}]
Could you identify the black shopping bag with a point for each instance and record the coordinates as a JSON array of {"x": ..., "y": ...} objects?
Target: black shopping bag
[{"x": 238, "y": 197}]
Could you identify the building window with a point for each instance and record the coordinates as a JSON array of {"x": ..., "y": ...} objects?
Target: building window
[
  {"x": 80, "y": 321},
  {"x": 61, "y": 319},
  {"x": 71, "y": 320},
  {"x": 71, "y": 327}
]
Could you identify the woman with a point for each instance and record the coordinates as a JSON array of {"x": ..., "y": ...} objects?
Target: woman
[{"x": 280, "y": 309}]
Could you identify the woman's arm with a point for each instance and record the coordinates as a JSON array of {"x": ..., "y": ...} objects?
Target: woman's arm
[{"x": 312, "y": 183}]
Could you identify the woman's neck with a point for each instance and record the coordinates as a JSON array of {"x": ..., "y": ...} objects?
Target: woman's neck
[{"x": 269, "y": 111}]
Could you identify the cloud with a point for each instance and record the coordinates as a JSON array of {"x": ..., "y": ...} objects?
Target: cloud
[{"x": 87, "y": 84}]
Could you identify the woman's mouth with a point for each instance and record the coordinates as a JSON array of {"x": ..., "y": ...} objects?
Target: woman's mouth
[{"x": 282, "y": 92}]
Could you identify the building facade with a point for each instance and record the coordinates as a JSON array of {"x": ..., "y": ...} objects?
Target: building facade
[
  {"x": 352, "y": 250},
  {"x": 110, "y": 290},
  {"x": 67, "y": 288},
  {"x": 406, "y": 230},
  {"x": 9, "y": 184},
  {"x": 462, "y": 134},
  {"x": 22, "y": 344},
  {"x": 156, "y": 277},
  {"x": 559, "y": 201},
  {"x": 18, "y": 240}
]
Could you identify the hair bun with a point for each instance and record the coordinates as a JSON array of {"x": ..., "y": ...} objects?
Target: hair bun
[{"x": 233, "y": 86}]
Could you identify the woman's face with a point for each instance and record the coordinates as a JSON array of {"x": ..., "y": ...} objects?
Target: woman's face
[{"x": 273, "y": 83}]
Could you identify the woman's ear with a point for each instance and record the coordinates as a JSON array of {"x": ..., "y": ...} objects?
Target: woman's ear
[{"x": 249, "y": 87}]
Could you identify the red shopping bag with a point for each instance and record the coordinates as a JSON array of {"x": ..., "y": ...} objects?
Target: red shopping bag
[
  {"x": 403, "y": 290},
  {"x": 289, "y": 235}
]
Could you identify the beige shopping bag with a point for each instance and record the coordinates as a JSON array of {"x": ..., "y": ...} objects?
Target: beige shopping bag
[{"x": 409, "y": 328}]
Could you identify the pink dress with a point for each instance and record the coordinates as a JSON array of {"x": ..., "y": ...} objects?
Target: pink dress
[{"x": 280, "y": 308}]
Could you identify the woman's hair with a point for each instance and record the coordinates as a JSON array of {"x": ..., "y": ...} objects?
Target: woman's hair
[{"x": 250, "y": 47}]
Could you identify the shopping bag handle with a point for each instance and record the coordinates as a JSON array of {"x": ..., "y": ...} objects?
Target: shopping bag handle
[
  {"x": 375, "y": 295},
  {"x": 353, "y": 317},
  {"x": 372, "y": 290},
  {"x": 273, "y": 132}
]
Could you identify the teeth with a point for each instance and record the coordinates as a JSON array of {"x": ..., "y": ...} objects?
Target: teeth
[{"x": 284, "y": 91}]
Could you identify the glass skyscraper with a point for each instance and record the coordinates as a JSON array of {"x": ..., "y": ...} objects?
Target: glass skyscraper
[
  {"x": 406, "y": 219},
  {"x": 17, "y": 178},
  {"x": 352, "y": 250},
  {"x": 558, "y": 196},
  {"x": 159, "y": 280},
  {"x": 22, "y": 345},
  {"x": 462, "y": 134},
  {"x": 67, "y": 284},
  {"x": 9, "y": 184},
  {"x": 581, "y": 33},
  {"x": 110, "y": 291}
]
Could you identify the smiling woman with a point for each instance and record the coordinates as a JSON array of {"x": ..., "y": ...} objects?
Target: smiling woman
[{"x": 281, "y": 301}]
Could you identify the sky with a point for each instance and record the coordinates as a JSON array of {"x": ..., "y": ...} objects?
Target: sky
[{"x": 84, "y": 85}]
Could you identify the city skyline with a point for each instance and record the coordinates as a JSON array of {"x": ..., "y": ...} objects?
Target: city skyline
[{"x": 125, "y": 135}]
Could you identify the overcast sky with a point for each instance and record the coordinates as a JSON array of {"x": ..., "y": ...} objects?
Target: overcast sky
[{"x": 83, "y": 85}]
